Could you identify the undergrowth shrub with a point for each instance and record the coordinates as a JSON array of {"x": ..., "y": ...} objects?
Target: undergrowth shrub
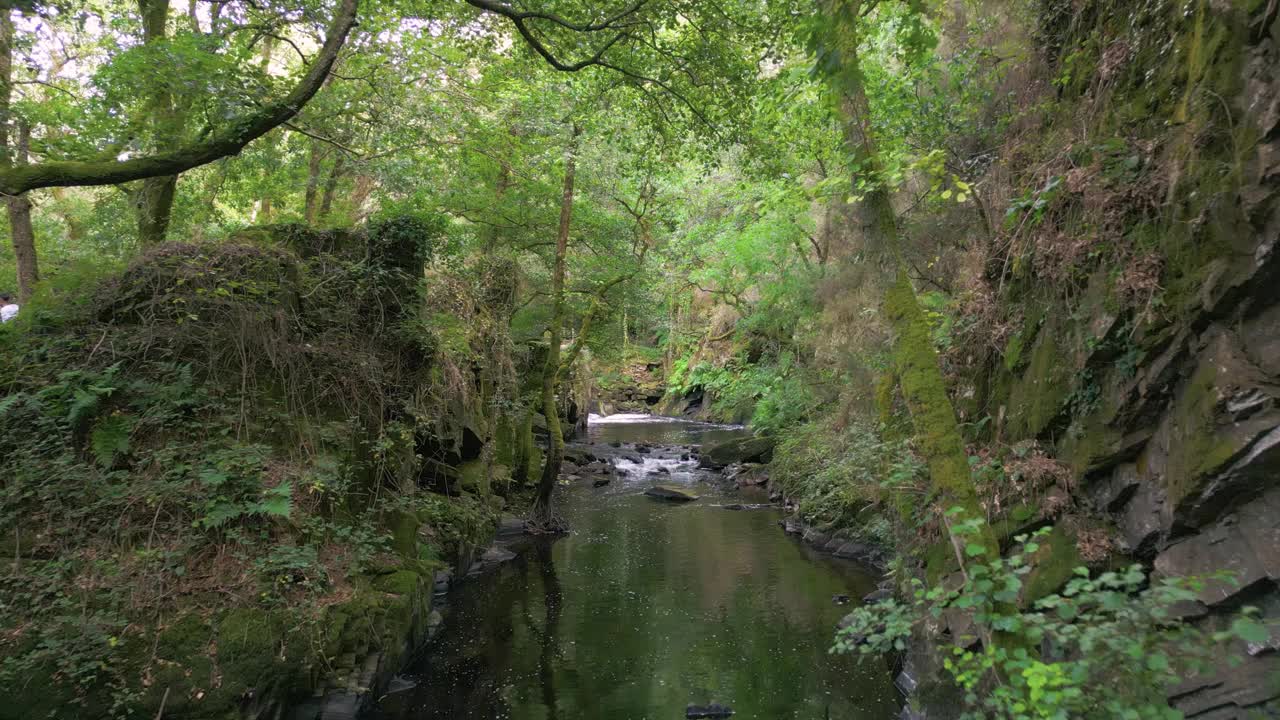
[
  {"x": 212, "y": 426},
  {"x": 1107, "y": 646},
  {"x": 845, "y": 476}
]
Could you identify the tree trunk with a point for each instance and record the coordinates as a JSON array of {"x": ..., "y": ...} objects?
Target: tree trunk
[
  {"x": 155, "y": 197},
  {"x": 17, "y": 206},
  {"x": 331, "y": 186},
  {"x": 24, "y": 245},
  {"x": 499, "y": 192},
  {"x": 542, "y": 516},
  {"x": 915, "y": 358},
  {"x": 155, "y": 207},
  {"x": 364, "y": 187},
  {"x": 313, "y": 183},
  {"x": 271, "y": 142}
]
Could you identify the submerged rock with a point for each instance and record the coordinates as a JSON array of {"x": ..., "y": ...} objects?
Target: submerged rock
[
  {"x": 714, "y": 710},
  {"x": 601, "y": 482},
  {"x": 667, "y": 492},
  {"x": 497, "y": 555}
]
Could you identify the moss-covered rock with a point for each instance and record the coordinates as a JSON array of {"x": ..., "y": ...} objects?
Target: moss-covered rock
[
  {"x": 1052, "y": 565},
  {"x": 1037, "y": 395},
  {"x": 401, "y": 582}
]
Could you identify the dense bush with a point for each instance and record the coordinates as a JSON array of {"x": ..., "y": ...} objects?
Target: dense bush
[
  {"x": 846, "y": 476},
  {"x": 213, "y": 426}
]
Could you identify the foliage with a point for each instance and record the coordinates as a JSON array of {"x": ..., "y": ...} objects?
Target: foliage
[
  {"x": 837, "y": 473},
  {"x": 1105, "y": 647},
  {"x": 213, "y": 448}
]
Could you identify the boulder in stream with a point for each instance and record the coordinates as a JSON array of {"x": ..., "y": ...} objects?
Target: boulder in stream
[
  {"x": 601, "y": 482},
  {"x": 673, "y": 494},
  {"x": 738, "y": 450}
]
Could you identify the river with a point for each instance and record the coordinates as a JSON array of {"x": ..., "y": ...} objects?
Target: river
[{"x": 649, "y": 606}]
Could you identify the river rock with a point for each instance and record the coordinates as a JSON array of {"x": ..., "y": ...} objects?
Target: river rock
[
  {"x": 877, "y": 596},
  {"x": 601, "y": 482},
  {"x": 738, "y": 450},
  {"x": 752, "y": 474},
  {"x": 667, "y": 492},
  {"x": 813, "y": 537},
  {"x": 791, "y": 526},
  {"x": 443, "y": 577},
  {"x": 854, "y": 550},
  {"x": 510, "y": 526}
]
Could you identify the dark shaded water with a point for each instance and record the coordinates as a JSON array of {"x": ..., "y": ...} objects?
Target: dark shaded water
[{"x": 647, "y": 607}]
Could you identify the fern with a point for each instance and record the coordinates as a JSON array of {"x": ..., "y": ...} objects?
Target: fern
[
  {"x": 110, "y": 439},
  {"x": 276, "y": 501}
]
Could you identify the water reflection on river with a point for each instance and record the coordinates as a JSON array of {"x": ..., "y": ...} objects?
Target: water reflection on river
[{"x": 647, "y": 607}]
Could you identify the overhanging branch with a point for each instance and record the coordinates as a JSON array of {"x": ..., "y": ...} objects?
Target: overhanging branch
[{"x": 231, "y": 140}]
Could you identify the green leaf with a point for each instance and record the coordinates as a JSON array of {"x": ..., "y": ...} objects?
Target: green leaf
[
  {"x": 277, "y": 502},
  {"x": 1250, "y": 631},
  {"x": 110, "y": 439}
]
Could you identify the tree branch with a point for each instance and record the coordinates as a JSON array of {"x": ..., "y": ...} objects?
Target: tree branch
[{"x": 239, "y": 133}]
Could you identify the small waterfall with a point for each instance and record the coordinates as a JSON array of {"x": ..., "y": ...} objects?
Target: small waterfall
[{"x": 660, "y": 469}]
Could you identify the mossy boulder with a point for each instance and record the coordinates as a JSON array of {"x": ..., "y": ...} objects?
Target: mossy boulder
[
  {"x": 400, "y": 582},
  {"x": 738, "y": 450}
]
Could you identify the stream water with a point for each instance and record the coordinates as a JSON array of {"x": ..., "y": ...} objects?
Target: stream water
[{"x": 649, "y": 606}]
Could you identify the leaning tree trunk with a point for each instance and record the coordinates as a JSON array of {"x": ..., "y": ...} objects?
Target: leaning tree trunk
[
  {"x": 915, "y": 359},
  {"x": 542, "y": 516},
  {"x": 17, "y": 206}
]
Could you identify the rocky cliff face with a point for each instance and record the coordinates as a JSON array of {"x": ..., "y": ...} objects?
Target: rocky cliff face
[{"x": 1164, "y": 400}]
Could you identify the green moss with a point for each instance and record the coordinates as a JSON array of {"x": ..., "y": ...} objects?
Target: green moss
[
  {"x": 404, "y": 532},
  {"x": 401, "y": 582},
  {"x": 939, "y": 561},
  {"x": 1018, "y": 520},
  {"x": 1051, "y": 566},
  {"x": 528, "y": 458},
  {"x": 1037, "y": 396},
  {"x": 936, "y": 431},
  {"x": 1018, "y": 342},
  {"x": 256, "y": 653},
  {"x": 473, "y": 477},
  {"x": 1199, "y": 449}
]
